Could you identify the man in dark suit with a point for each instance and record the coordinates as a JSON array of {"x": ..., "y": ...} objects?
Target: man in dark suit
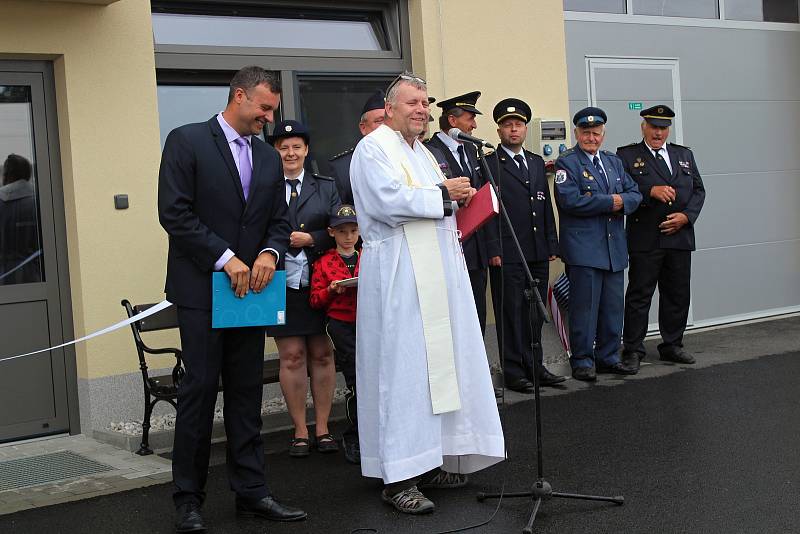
[
  {"x": 220, "y": 199},
  {"x": 593, "y": 192},
  {"x": 526, "y": 196},
  {"x": 660, "y": 237},
  {"x": 372, "y": 116},
  {"x": 462, "y": 161}
]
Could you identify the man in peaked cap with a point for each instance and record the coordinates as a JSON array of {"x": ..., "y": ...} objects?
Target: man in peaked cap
[
  {"x": 660, "y": 237},
  {"x": 371, "y": 117},
  {"x": 461, "y": 160},
  {"x": 526, "y": 196},
  {"x": 593, "y": 192}
]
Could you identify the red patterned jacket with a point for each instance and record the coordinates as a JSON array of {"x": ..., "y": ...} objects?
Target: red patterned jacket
[{"x": 327, "y": 268}]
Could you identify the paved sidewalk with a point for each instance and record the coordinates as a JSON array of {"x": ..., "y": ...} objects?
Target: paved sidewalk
[{"x": 125, "y": 471}]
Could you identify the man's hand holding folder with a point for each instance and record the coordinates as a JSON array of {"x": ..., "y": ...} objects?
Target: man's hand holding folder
[{"x": 480, "y": 209}]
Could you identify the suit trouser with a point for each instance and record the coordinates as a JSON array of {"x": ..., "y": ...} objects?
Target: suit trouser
[
  {"x": 477, "y": 279},
  {"x": 343, "y": 336},
  {"x": 596, "y": 304},
  {"x": 513, "y": 322},
  {"x": 238, "y": 355},
  {"x": 670, "y": 269}
]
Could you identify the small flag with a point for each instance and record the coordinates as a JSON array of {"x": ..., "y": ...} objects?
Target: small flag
[{"x": 558, "y": 298}]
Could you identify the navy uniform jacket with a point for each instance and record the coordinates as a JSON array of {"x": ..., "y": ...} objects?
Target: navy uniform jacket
[
  {"x": 643, "y": 232},
  {"x": 318, "y": 200},
  {"x": 340, "y": 163},
  {"x": 482, "y": 245},
  {"x": 202, "y": 207},
  {"x": 529, "y": 207},
  {"x": 591, "y": 234}
]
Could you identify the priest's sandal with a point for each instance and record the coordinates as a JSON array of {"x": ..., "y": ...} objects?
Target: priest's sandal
[
  {"x": 410, "y": 501},
  {"x": 443, "y": 479}
]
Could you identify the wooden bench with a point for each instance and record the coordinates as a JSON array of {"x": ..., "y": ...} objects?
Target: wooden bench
[{"x": 164, "y": 387}]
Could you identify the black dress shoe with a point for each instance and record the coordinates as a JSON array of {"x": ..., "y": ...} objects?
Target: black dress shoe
[
  {"x": 546, "y": 378},
  {"x": 520, "y": 385},
  {"x": 585, "y": 374},
  {"x": 616, "y": 369},
  {"x": 680, "y": 356},
  {"x": 189, "y": 519},
  {"x": 632, "y": 360},
  {"x": 268, "y": 508},
  {"x": 352, "y": 450}
]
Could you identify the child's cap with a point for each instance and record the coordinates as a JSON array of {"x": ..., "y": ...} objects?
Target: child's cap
[{"x": 345, "y": 214}]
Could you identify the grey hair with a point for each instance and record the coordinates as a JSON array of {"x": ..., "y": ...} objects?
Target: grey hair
[
  {"x": 416, "y": 82},
  {"x": 252, "y": 76},
  {"x": 444, "y": 123}
]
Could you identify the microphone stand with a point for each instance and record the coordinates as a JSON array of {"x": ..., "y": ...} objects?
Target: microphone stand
[{"x": 541, "y": 489}]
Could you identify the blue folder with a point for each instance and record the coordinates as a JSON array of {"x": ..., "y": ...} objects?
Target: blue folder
[{"x": 267, "y": 308}]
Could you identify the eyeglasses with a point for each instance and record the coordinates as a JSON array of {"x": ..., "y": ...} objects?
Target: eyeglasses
[{"x": 407, "y": 78}]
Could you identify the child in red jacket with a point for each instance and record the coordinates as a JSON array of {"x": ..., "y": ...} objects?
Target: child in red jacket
[{"x": 339, "y": 303}]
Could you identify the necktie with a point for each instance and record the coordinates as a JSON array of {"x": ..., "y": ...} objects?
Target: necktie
[
  {"x": 245, "y": 168},
  {"x": 293, "y": 196},
  {"x": 600, "y": 171},
  {"x": 462, "y": 160},
  {"x": 523, "y": 168},
  {"x": 662, "y": 163}
]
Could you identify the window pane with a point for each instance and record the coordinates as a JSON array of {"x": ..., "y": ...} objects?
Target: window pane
[
  {"x": 595, "y": 6},
  {"x": 206, "y": 30},
  {"x": 331, "y": 109},
  {"x": 184, "y": 104},
  {"x": 702, "y": 9},
  {"x": 762, "y": 10},
  {"x": 20, "y": 238}
]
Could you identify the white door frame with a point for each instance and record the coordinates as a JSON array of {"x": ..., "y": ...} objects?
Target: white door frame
[{"x": 595, "y": 63}]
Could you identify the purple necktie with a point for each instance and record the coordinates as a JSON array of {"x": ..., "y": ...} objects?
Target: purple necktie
[{"x": 245, "y": 169}]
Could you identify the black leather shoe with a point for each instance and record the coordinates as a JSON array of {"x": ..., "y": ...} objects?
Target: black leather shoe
[
  {"x": 681, "y": 356},
  {"x": 520, "y": 385},
  {"x": 632, "y": 360},
  {"x": 546, "y": 378},
  {"x": 352, "y": 450},
  {"x": 189, "y": 519},
  {"x": 268, "y": 508},
  {"x": 585, "y": 374},
  {"x": 616, "y": 369}
]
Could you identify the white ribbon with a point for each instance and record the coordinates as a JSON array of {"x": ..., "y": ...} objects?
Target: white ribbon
[{"x": 164, "y": 304}]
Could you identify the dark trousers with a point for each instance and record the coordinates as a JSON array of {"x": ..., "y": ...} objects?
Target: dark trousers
[
  {"x": 670, "y": 270},
  {"x": 596, "y": 304},
  {"x": 343, "y": 336},
  {"x": 513, "y": 322},
  {"x": 237, "y": 354},
  {"x": 477, "y": 278}
]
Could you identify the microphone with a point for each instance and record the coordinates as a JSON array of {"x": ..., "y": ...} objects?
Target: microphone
[{"x": 458, "y": 135}]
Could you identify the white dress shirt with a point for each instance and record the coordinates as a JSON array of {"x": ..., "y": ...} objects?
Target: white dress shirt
[
  {"x": 297, "y": 274},
  {"x": 662, "y": 151},
  {"x": 453, "y": 145},
  {"x": 520, "y": 153},
  {"x": 231, "y": 136}
]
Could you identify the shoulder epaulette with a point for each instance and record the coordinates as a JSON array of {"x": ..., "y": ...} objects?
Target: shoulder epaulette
[
  {"x": 323, "y": 177},
  {"x": 567, "y": 152},
  {"x": 679, "y": 146},
  {"x": 489, "y": 151},
  {"x": 628, "y": 145},
  {"x": 608, "y": 153},
  {"x": 340, "y": 154}
]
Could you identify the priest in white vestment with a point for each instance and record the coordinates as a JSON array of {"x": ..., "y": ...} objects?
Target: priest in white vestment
[{"x": 427, "y": 411}]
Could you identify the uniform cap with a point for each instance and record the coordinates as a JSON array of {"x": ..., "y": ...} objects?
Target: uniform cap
[{"x": 511, "y": 107}]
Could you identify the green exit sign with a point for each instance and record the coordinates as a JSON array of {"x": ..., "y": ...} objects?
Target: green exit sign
[{"x": 634, "y": 106}]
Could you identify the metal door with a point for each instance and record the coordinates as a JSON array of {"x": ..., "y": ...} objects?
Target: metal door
[
  {"x": 622, "y": 87},
  {"x": 33, "y": 391}
]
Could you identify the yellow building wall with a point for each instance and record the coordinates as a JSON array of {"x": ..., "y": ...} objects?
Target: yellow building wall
[{"x": 109, "y": 142}]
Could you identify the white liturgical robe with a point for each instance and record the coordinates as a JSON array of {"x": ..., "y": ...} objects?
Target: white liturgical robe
[{"x": 404, "y": 430}]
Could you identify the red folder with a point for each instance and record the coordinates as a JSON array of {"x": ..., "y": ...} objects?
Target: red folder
[{"x": 482, "y": 208}]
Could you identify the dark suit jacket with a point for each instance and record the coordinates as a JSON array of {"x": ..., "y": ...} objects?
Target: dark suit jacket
[
  {"x": 340, "y": 165},
  {"x": 591, "y": 234},
  {"x": 477, "y": 249},
  {"x": 201, "y": 205},
  {"x": 529, "y": 207},
  {"x": 643, "y": 232},
  {"x": 318, "y": 200}
]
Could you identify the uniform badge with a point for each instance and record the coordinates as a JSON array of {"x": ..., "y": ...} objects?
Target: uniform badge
[
  {"x": 684, "y": 164},
  {"x": 585, "y": 174},
  {"x": 288, "y": 128},
  {"x": 561, "y": 176},
  {"x": 590, "y": 177},
  {"x": 540, "y": 195}
]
